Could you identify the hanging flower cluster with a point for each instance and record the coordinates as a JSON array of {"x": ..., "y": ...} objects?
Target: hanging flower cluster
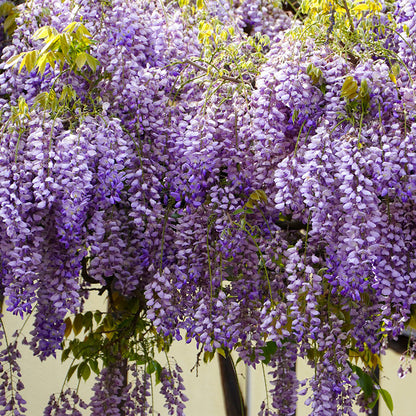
[{"x": 252, "y": 193}]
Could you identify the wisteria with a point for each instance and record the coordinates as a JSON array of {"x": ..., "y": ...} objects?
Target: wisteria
[{"x": 226, "y": 173}]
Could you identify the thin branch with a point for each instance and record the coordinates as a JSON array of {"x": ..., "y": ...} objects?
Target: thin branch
[{"x": 223, "y": 77}]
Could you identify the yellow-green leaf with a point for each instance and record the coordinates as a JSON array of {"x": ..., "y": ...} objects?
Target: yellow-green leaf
[
  {"x": 82, "y": 30},
  {"x": 9, "y": 24},
  {"x": 30, "y": 60},
  {"x": 23, "y": 63},
  {"x": 221, "y": 352},
  {"x": 224, "y": 35},
  {"x": 52, "y": 43},
  {"x": 392, "y": 77},
  {"x": 6, "y": 8},
  {"x": 71, "y": 27},
  {"x": 92, "y": 62},
  {"x": 43, "y": 32},
  {"x": 52, "y": 58},
  {"x": 81, "y": 59},
  {"x": 23, "y": 107},
  {"x": 395, "y": 69},
  {"x": 41, "y": 99},
  {"x": 13, "y": 60},
  {"x": 349, "y": 88},
  {"x": 64, "y": 42},
  {"x": 387, "y": 399}
]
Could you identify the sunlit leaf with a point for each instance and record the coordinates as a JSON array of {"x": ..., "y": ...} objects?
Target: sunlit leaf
[
  {"x": 30, "y": 60},
  {"x": 92, "y": 62},
  {"x": 41, "y": 63},
  {"x": 13, "y": 60},
  {"x": 43, "y": 33},
  {"x": 71, "y": 27},
  {"x": 387, "y": 399},
  {"x": 81, "y": 59},
  {"x": 349, "y": 88},
  {"x": 51, "y": 44}
]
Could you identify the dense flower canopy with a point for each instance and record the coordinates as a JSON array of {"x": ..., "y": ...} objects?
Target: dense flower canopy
[{"x": 220, "y": 178}]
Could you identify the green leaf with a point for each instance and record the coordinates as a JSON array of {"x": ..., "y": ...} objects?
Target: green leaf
[
  {"x": 77, "y": 324},
  {"x": 94, "y": 366},
  {"x": 249, "y": 204},
  {"x": 97, "y": 316},
  {"x": 314, "y": 73},
  {"x": 71, "y": 371},
  {"x": 139, "y": 359},
  {"x": 9, "y": 25},
  {"x": 221, "y": 352},
  {"x": 208, "y": 356},
  {"x": 268, "y": 351},
  {"x": 387, "y": 399},
  {"x": 239, "y": 211},
  {"x": 6, "y": 8},
  {"x": 373, "y": 403},
  {"x": 366, "y": 383},
  {"x": 154, "y": 367},
  {"x": 65, "y": 354},
  {"x": 87, "y": 320},
  {"x": 84, "y": 371}
]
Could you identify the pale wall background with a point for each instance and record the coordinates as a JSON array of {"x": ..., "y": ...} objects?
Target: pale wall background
[{"x": 203, "y": 390}]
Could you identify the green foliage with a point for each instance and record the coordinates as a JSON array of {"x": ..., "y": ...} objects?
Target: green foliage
[
  {"x": 349, "y": 88},
  {"x": 255, "y": 198},
  {"x": 316, "y": 77},
  {"x": 337, "y": 18},
  {"x": 268, "y": 351},
  {"x": 59, "y": 49},
  {"x": 9, "y": 11},
  {"x": 96, "y": 339},
  {"x": 230, "y": 60},
  {"x": 371, "y": 388}
]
